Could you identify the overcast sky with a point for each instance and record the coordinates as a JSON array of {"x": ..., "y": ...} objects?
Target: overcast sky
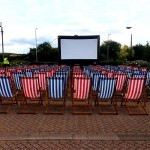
[{"x": 20, "y": 18}]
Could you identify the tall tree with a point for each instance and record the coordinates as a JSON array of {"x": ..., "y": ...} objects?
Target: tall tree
[
  {"x": 45, "y": 53},
  {"x": 123, "y": 52},
  {"x": 110, "y": 49}
]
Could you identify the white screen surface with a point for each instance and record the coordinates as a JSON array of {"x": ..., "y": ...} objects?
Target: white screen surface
[{"x": 79, "y": 48}]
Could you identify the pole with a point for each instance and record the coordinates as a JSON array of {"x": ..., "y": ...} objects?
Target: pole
[
  {"x": 2, "y": 39},
  {"x": 130, "y": 41},
  {"x": 131, "y": 37},
  {"x": 36, "y": 44},
  {"x": 108, "y": 47},
  {"x": 131, "y": 46}
]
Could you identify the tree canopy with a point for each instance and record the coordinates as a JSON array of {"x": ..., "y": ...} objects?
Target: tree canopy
[{"x": 109, "y": 50}]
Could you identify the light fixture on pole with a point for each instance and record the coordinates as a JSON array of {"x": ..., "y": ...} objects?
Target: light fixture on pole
[
  {"x": 36, "y": 45},
  {"x": 108, "y": 47},
  {"x": 2, "y": 39},
  {"x": 130, "y": 39}
]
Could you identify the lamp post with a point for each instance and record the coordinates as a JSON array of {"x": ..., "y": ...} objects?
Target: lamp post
[
  {"x": 108, "y": 47},
  {"x": 2, "y": 39},
  {"x": 36, "y": 44},
  {"x": 131, "y": 37}
]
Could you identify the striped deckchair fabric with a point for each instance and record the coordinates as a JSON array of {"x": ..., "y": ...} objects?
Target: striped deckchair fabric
[
  {"x": 110, "y": 74},
  {"x": 82, "y": 88},
  {"x": 5, "y": 87},
  {"x": 105, "y": 95},
  {"x": 135, "y": 87},
  {"x": 106, "y": 87},
  {"x": 56, "y": 95},
  {"x": 2, "y": 74},
  {"x": 148, "y": 78},
  {"x": 28, "y": 73},
  {"x": 42, "y": 79},
  {"x": 132, "y": 96},
  {"x": 17, "y": 79},
  {"x": 121, "y": 83},
  {"x": 63, "y": 74},
  {"x": 56, "y": 87},
  {"x": 121, "y": 80},
  {"x": 49, "y": 73},
  {"x": 7, "y": 95},
  {"x": 30, "y": 87},
  {"x": 32, "y": 95},
  {"x": 81, "y": 94},
  {"x": 95, "y": 80},
  {"x": 78, "y": 74}
]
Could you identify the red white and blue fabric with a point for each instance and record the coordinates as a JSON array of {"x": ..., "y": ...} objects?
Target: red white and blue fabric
[
  {"x": 106, "y": 87},
  {"x": 62, "y": 74},
  {"x": 78, "y": 74},
  {"x": 42, "y": 79},
  {"x": 56, "y": 87},
  {"x": 81, "y": 87},
  {"x": 134, "y": 89},
  {"x": 95, "y": 80},
  {"x": 121, "y": 79},
  {"x": 110, "y": 74},
  {"x": 49, "y": 73},
  {"x": 148, "y": 78},
  {"x": 17, "y": 79},
  {"x": 29, "y": 73},
  {"x": 30, "y": 87},
  {"x": 5, "y": 87}
]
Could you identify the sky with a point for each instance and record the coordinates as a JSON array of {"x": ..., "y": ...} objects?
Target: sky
[{"x": 107, "y": 18}]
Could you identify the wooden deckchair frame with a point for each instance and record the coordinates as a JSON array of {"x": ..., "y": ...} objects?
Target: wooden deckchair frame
[
  {"x": 133, "y": 100},
  {"x": 81, "y": 102}
]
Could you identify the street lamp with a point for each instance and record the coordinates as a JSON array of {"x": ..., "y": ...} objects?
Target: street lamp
[
  {"x": 108, "y": 47},
  {"x": 131, "y": 38},
  {"x": 36, "y": 44},
  {"x": 2, "y": 39}
]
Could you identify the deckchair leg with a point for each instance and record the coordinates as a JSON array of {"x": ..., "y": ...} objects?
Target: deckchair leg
[
  {"x": 8, "y": 105},
  {"x": 136, "y": 113},
  {"x": 47, "y": 111},
  {"x": 7, "y": 109}
]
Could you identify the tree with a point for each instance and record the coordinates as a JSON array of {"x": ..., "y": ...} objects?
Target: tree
[
  {"x": 113, "y": 49},
  {"x": 45, "y": 53},
  {"x": 123, "y": 52}
]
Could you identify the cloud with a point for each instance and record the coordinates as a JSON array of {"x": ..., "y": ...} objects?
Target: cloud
[{"x": 69, "y": 17}]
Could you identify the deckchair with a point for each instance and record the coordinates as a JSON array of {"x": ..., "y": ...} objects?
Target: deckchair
[
  {"x": 95, "y": 80},
  {"x": 32, "y": 95},
  {"x": 42, "y": 83},
  {"x": 132, "y": 96},
  {"x": 42, "y": 80},
  {"x": 63, "y": 74},
  {"x": 28, "y": 73},
  {"x": 81, "y": 94},
  {"x": 7, "y": 94},
  {"x": 17, "y": 80},
  {"x": 56, "y": 93},
  {"x": 121, "y": 84},
  {"x": 105, "y": 95}
]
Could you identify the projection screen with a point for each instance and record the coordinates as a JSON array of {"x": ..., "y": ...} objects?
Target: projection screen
[{"x": 78, "y": 48}]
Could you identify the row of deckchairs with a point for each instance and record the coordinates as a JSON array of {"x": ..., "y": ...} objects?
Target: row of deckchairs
[
  {"x": 100, "y": 87},
  {"x": 106, "y": 87}
]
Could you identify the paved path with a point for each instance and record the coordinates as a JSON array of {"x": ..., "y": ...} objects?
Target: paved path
[{"x": 68, "y": 131}]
